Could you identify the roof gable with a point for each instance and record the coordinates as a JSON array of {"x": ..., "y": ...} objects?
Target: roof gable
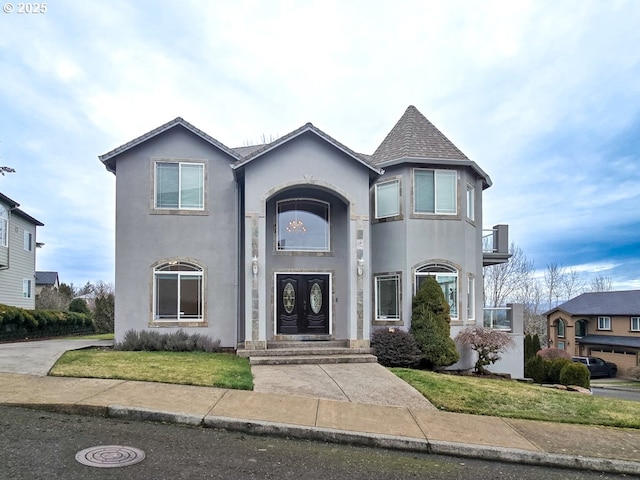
[
  {"x": 13, "y": 206},
  {"x": 46, "y": 278},
  {"x": 308, "y": 127},
  {"x": 109, "y": 159},
  {"x": 625, "y": 302}
]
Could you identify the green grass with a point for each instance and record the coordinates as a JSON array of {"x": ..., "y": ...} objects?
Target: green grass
[
  {"x": 510, "y": 399},
  {"x": 190, "y": 368},
  {"x": 97, "y": 336}
]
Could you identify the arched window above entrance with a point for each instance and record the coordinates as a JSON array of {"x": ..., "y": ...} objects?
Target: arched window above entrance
[
  {"x": 303, "y": 225},
  {"x": 447, "y": 277}
]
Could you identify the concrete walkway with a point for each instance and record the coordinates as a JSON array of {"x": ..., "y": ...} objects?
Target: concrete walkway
[{"x": 416, "y": 428}]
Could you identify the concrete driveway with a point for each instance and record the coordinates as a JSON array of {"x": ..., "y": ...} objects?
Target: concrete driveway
[{"x": 37, "y": 358}]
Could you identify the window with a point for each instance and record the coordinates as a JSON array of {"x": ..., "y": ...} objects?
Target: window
[
  {"x": 560, "y": 326},
  {"x": 303, "y": 225},
  {"x": 28, "y": 241},
  {"x": 4, "y": 226},
  {"x": 581, "y": 328},
  {"x": 604, "y": 323},
  {"x": 447, "y": 277},
  {"x": 471, "y": 202},
  {"x": 387, "y": 297},
  {"x": 26, "y": 288},
  {"x": 179, "y": 186},
  {"x": 178, "y": 292},
  {"x": 471, "y": 298},
  {"x": 561, "y": 345},
  {"x": 387, "y": 199},
  {"x": 435, "y": 191},
  {"x": 635, "y": 324}
]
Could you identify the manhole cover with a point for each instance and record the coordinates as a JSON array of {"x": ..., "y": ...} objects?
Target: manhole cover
[{"x": 108, "y": 456}]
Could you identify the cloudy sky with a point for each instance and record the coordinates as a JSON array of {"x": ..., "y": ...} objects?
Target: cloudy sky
[{"x": 544, "y": 96}]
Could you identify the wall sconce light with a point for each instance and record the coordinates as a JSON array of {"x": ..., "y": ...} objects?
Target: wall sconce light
[
  {"x": 254, "y": 265},
  {"x": 360, "y": 268}
]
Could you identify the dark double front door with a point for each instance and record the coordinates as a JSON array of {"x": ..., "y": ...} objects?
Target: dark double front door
[{"x": 302, "y": 304}]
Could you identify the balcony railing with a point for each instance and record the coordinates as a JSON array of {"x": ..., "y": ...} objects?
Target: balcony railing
[
  {"x": 498, "y": 318},
  {"x": 495, "y": 245}
]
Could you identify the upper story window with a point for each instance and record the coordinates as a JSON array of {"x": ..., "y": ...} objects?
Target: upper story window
[
  {"x": 178, "y": 292},
  {"x": 471, "y": 202},
  {"x": 581, "y": 328},
  {"x": 179, "y": 185},
  {"x": 435, "y": 191},
  {"x": 635, "y": 324},
  {"x": 387, "y": 201},
  {"x": 561, "y": 329},
  {"x": 471, "y": 298},
  {"x": 447, "y": 277},
  {"x": 28, "y": 241},
  {"x": 4, "y": 226},
  {"x": 604, "y": 323},
  {"x": 303, "y": 225},
  {"x": 26, "y": 288}
]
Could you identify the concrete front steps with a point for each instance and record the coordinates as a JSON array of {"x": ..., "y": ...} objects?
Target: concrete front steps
[{"x": 310, "y": 352}]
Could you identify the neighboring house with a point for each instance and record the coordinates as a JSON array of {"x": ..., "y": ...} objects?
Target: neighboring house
[
  {"x": 602, "y": 324},
  {"x": 46, "y": 280},
  {"x": 17, "y": 255},
  {"x": 299, "y": 239}
]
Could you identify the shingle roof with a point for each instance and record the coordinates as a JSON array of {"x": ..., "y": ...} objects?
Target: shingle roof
[
  {"x": 13, "y": 205},
  {"x": 416, "y": 137},
  {"x": 625, "y": 302},
  {"x": 613, "y": 340},
  {"x": 46, "y": 278},
  {"x": 308, "y": 127},
  {"x": 109, "y": 158}
]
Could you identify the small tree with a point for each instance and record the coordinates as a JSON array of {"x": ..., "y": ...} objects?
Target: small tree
[
  {"x": 531, "y": 346},
  {"x": 103, "y": 313},
  {"x": 430, "y": 325},
  {"x": 488, "y": 343},
  {"x": 80, "y": 306}
]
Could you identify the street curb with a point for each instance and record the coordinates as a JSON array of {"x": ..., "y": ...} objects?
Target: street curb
[{"x": 480, "y": 452}]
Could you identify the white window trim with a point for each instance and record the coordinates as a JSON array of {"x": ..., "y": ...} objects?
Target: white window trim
[
  {"x": 435, "y": 191},
  {"x": 200, "y": 272},
  {"x": 635, "y": 320},
  {"x": 471, "y": 202},
  {"x": 397, "y": 182},
  {"x": 328, "y": 236},
  {"x": 605, "y": 320},
  {"x": 471, "y": 297},
  {"x": 180, "y": 163},
  {"x": 28, "y": 241},
  {"x": 448, "y": 271},
  {"x": 27, "y": 288},
  {"x": 564, "y": 328},
  {"x": 4, "y": 226},
  {"x": 387, "y": 318}
]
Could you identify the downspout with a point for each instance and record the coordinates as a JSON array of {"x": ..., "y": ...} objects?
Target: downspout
[{"x": 240, "y": 274}]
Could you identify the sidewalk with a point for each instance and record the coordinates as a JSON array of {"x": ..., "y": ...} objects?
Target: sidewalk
[{"x": 421, "y": 429}]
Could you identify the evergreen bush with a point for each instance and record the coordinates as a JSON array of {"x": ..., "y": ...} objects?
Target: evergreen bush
[
  {"x": 575, "y": 373},
  {"x": 430, "y": 325},
  {"x": 554, "y": 367},
  {"x": 534, "y": 368},
  {"x": 395, "y": 348},
  {"x": 78, "y": 305}
]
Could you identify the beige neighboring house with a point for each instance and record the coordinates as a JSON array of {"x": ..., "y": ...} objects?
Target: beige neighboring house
[
  {"x": 17, "y": 255},
  {"x": 599, "y": 324},
  {"x": 46, "y": 280}
]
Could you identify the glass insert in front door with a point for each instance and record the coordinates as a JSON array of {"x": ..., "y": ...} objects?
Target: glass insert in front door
[{"x": 302, "y": 304}]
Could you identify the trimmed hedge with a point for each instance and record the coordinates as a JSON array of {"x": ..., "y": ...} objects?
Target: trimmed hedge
[
  {"x": 178, "y": 341},
  {"x": 18, "y": 323},
  {"x": 575, "y": 373},
  {"x": 395, "y": 348}
]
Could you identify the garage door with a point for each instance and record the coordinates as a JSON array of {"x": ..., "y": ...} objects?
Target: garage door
[{"x": 625, "y": 361}]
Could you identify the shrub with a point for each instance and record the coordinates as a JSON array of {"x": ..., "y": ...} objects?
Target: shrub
[
  {"x": 635, "y": 373},
  {"x": 574, "y": 373},
  {"x": 534, "y": 369},
  {"x": 103, "y": 313},
  {"x": 554, "y": 367},
  {"x": 79, "y": 305},
  {"x": 395, "y": 348},
  {"x": 488, "y": 343},
  {"x": 552, "y": 353},
  {"x": 178, "y": 341},
  {"x": 531, "y": 346},
  {"x": 430, "y": 325},
  {"x": 16, "y": 323}
]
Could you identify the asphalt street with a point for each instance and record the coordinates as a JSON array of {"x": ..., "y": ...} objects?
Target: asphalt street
[{"x": 39, "y": 445}]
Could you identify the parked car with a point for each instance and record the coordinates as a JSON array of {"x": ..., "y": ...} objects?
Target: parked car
[{"x": 597, "y": 366}]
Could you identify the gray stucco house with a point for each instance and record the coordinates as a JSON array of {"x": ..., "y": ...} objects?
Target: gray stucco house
[
  {"x": 17, "y": 255},
  {"x": 299, "y": 239}
]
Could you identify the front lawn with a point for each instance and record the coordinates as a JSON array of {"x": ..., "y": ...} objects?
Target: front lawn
[
  {"x": 510, "y": 399},
  {"x": 190, "y": 368}
]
